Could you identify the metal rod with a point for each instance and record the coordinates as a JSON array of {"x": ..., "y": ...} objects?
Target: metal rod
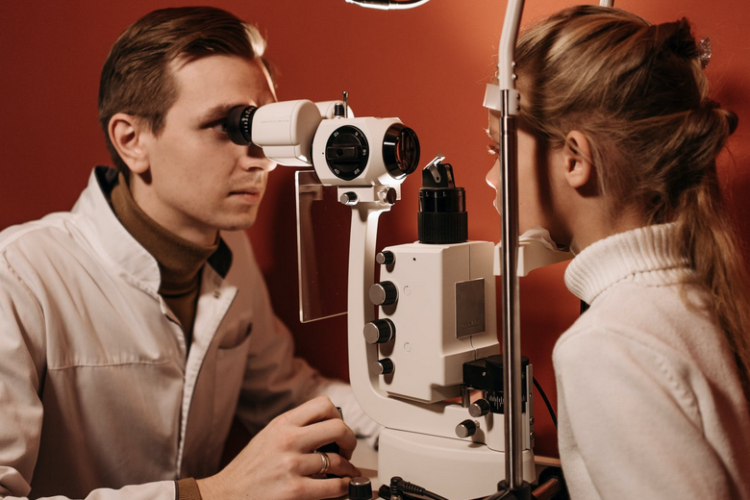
[
  {"x": 511, "y": 337},
  {"x": 510, "y": 309}
]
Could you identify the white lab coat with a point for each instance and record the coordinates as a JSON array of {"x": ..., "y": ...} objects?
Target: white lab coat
[
  {"x": 650, "y": 403},
  {"x": 96, "y": 389}
]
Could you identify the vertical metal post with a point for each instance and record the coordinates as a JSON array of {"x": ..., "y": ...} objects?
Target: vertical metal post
[
  {"x": 511, "y": 339},
  {"x": 511, "y": 309}
]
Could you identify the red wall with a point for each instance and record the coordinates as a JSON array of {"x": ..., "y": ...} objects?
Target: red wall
[{"x": 427, "y": 66}]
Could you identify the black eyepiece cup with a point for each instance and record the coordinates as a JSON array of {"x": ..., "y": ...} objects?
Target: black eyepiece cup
[{"x": 240, "y": 124}]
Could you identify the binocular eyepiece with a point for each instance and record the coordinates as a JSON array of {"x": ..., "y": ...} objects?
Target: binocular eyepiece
[{"x": 353, "y": 150}]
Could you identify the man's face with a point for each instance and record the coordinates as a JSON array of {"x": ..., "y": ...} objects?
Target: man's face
[{"x": 198, "y": 180}]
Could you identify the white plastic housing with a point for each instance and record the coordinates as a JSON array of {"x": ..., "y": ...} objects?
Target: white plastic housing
[
  {"x": 456, "y": 469},
  {"x": 374, "y": 172},
  {"x": 433, "y": 337},
  {"x": 285, "y": 131}
]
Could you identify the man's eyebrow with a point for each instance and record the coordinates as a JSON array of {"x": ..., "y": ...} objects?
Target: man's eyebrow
[
  {"x": 222, "y": 110},
  {"x": 218, "y": 111}
]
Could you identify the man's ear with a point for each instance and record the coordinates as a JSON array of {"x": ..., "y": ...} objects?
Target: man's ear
[
  {"x": 579, "y": 171},
  {"x": 129, "y": 135}
]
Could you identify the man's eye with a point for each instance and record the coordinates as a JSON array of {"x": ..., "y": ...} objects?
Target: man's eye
[
  {"x": 221, "y": 126},
  {"x": 218, "y": 125}
]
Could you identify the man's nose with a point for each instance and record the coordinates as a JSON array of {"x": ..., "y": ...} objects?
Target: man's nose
[{"x": 254, "y": 158}]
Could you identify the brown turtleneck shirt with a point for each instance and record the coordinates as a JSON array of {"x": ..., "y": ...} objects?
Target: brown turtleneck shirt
[{"x": 180, "y": 261}]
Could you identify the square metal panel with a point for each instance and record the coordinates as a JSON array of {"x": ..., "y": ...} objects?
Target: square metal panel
[{"x": 469, "y": 308}]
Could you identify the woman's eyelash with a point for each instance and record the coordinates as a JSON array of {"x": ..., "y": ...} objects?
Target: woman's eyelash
[{"x": 493, "y": 149}]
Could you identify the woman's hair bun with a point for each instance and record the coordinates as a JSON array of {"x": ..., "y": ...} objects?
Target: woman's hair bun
[
  {"x": 675, "y": 37},
  {"x": 731, "y": 118}
]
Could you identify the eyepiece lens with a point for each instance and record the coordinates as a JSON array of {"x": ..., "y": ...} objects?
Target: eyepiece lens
[{"x": 400, "y": 150}]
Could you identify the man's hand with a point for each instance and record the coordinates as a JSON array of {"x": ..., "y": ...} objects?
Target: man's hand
[{"x": 278, "y": 462}]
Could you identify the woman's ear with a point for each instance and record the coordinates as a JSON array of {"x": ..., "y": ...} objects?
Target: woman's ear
[
  {"x": 129, "y": 136},
  {"x": 579, "y": 171}
]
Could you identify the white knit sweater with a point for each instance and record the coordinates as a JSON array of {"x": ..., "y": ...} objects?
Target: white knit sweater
[{"x": 649, "y": 399}]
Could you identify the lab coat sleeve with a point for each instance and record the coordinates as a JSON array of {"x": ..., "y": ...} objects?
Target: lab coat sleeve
[
  {"x": 22, "y": 371},
  {"x": 632, "y": 424},
  {"x": 275, "y": 380}
]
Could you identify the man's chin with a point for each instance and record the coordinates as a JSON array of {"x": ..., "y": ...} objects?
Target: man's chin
[
  {"x": 238, "y": 226},
  {"x": 239, "y": 221}
]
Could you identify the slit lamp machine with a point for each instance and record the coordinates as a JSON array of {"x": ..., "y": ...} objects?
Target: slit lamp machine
[{"x": 434, "y": 337}]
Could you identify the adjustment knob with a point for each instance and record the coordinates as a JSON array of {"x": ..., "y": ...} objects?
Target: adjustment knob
[
  {"x": 385, "y": 257},
  {"x": 467, "y": 428},
  {"x": 384, "y": 366},
  {"x": 348, "y": 199},
  {"x": 384, "y": 293},
  {"x": 379, "y": 331},
  {"x": 479, "y": 408},
  {"x": 360, "y": 488}
]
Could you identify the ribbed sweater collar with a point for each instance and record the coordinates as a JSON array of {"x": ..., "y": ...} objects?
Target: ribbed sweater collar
[
  {"x": 179, "y": 260},
  {"x": 643, "y": 253}
]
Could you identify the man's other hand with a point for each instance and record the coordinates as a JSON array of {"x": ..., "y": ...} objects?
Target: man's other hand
[{"x": 279, "y": 461}]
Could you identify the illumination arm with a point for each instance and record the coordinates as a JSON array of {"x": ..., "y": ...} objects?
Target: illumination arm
[{"x": 388, "y": 4}]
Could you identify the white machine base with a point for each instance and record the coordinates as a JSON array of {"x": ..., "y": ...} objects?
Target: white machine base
[{"x": 454, "y": 468}]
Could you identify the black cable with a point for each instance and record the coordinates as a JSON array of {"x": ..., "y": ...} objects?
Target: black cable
[
  {"x": 408, "y": 490},
  {"x": 546, "y": 401},
  {"x": 413, "y": 489}
]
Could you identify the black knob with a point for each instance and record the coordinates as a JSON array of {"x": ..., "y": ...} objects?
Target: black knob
[
  {"x": 384, "y": 293},
  {"x": 467, "y": 428},
  {"x": 384, "y": 366},
  {"x": 379, "y": 331},
  {"x": 360, "y": 488},
  {"x": 479, "y": 408},
  {"x": 385, "y": 257}
]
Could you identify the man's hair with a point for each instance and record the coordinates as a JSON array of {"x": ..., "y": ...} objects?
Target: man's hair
[{"x": 136, "y": 78}]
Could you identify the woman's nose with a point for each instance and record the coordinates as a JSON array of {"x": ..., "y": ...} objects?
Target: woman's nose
[{"x": 493, "y": 176}]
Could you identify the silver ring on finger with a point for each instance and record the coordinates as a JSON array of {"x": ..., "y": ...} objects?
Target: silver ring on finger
[{"x": 326, "y": 462}]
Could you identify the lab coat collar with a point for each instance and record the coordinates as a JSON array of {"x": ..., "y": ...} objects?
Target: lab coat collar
[{"x": 117, "y": 244}]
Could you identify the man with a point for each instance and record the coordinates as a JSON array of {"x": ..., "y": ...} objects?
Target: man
[{"x": 132, "y": 326}]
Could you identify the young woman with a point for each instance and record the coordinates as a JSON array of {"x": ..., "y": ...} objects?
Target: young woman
[{"x": 617, "y": 155}]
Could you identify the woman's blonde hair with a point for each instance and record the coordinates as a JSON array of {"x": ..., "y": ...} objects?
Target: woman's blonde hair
[{"x": 639, "y": 94}]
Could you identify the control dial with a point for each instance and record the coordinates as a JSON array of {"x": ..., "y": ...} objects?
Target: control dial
[
  {"x": 479, "y": 408},
  {"x": 385, "y": 257},
  {"x": 360, "y": 488},
  {"x": 379, "y": 331},
  {"x": 384, "y": 366},
  {"x": 467, "y": 428},
  {"x": 384, "y": 293}
]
